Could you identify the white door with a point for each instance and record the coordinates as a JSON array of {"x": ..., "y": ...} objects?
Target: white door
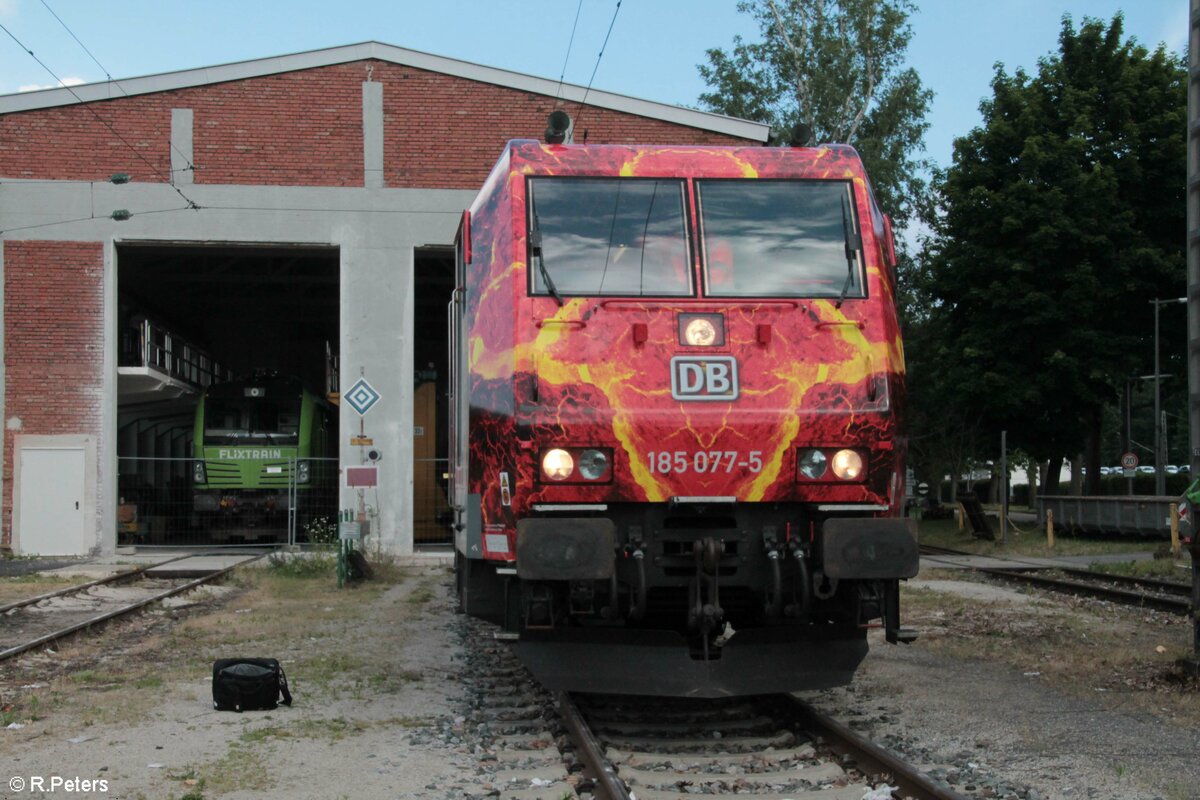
[{"x": 51, "y": 501}]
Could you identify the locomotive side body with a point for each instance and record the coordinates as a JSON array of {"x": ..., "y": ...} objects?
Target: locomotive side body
[{"x": 676, "y": 376}]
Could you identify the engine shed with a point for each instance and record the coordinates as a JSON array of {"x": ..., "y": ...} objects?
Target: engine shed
[{"x": 289, "y": 215}]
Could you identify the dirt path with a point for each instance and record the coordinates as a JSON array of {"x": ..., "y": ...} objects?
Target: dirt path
[
  {"x": 368, "y": 667},
  {"x": 1026, "y": 695},
  {"x": 1006, "y": 695}
]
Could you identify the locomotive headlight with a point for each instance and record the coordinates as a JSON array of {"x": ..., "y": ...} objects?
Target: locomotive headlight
[
  {"x": 302, "y": 472},
  {"x": 557, "y": 464},
  {"x": 198, "y": 473},
  {"x": 847, "y": 465},
  {"x": 812, "y": 464},
  {"x": 700, "y": 332},
  {"x": 593, "y": 464}
]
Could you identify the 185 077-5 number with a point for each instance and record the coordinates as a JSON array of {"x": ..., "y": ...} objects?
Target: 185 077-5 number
[{"x": 679, "y": 461}]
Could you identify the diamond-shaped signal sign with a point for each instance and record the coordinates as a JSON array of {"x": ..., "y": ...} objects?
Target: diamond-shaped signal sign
[{"x": 361, "y": 396}]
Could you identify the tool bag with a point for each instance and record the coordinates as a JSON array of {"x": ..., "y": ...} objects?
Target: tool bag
[{"x": 248, "y": 684}]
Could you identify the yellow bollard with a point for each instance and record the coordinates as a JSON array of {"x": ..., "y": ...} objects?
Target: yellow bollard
[
  {"x": 959, "y": 515},
  {"x": 1175, "y": 551},
  {"x": 1050, "y": 529}
]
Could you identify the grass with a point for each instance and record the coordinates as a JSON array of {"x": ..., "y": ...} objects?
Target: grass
[
  {"x": 1075, "y": 645},
  {"x": 1024, "y": 541},
  {"x": 285, "y": 610},
  {"x": 313, "y": 564},
  {"x": 421, "y": 595},
  {"x": 335, "y": 644},
  {"x": 241, "y": 770},
  {"x": 1159, "y": 567},
  {"x": 1027, "y": 542},
  {"x": 31, "y": 585}
]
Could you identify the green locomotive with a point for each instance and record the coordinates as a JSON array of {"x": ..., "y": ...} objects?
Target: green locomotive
[{"x": 261, "y": 446}]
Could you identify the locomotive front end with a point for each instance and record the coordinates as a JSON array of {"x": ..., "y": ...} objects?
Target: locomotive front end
[{"x": 681, "y": 466}]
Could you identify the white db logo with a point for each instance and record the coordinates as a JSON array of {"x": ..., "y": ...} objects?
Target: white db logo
[{"x": 704, "y": 378}]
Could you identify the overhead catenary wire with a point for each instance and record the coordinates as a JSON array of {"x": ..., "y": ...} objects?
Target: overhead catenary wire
[
  {"x": 191, "y": 203},
  {"x": 567, "y": 58},
  {"x": 81, "y": 44},
  {"x": 108, "y": 75},
  {"x": 603, "y": 47},
  {"x": 192, "y": 207}
]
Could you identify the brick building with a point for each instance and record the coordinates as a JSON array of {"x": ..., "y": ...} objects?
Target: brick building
[{"x": 292, "y": 213}]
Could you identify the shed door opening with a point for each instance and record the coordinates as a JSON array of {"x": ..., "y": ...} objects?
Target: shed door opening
[
  {"x": 226, "y": 433},
  {"x": 434, "y": 283}
]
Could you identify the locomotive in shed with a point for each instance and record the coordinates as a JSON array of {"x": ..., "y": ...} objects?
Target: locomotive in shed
[
  {"x": 676, "y": 376},
  {"x": 259, "y": 442}
]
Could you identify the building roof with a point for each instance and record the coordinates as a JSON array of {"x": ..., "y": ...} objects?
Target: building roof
[{"x": 241, "y": 70}]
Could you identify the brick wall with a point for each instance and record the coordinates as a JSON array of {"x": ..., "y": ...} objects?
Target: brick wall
[
  {"x": 446, "y": 132},
  {"x": 305, "y": 129},
  {"x": 53, "y": 344}
]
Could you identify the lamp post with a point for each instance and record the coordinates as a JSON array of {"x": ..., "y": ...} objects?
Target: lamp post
[{"x": 1160, "y": 475}]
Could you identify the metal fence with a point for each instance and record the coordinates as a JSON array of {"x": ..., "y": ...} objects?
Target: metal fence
[
  {"x": 1136, "y": 515},
  {"x": 159, "y": 504}
]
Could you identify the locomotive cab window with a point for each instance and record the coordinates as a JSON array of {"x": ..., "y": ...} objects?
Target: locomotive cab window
[
  {"x": 242, "y": 420},
  {"x": 595, "y": 236},
  {"x": 769, "y": 238}
]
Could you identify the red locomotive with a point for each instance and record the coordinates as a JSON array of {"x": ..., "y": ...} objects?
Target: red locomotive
[{"x": 676, "y": 373}]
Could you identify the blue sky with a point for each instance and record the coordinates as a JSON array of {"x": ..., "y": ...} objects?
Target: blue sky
[{"x": 653, "y": 52}]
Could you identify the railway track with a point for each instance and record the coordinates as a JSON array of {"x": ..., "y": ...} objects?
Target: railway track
[
  {"x": 534, "y": 745},
  {"x": 34, "y": 622},
  {"x": 767, "y": 747},
  {"x": 1170, "y": 596}
]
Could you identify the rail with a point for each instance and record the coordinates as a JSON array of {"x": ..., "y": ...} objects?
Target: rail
[
  {"x": 98, "y": 619},
  {"x": 637, "y": 731},
  {"x": 1170, "y": 596},
  {"x": 869, "y": 756}
]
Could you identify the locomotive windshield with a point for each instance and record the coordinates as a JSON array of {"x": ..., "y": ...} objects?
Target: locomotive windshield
[
  {"x": 767, "y": 238},
  {"x": 238, "y": 420},
  {"x": 595, "y": 236}
]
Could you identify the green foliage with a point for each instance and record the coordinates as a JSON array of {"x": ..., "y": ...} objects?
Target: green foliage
[
  {"x": 1058, "y": 222},
  {"x": 837, "y": 66}
]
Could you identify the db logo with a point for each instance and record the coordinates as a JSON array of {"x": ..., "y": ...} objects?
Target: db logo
[{"x": 704, "y": 378}]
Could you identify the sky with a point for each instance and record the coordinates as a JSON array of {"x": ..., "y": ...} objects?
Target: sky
[{"x": 652, "y": 53}]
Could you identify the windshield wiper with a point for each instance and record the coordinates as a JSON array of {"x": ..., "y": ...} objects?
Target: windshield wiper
[
  {"x": 853, "y": 245},
  {"x": 535, "y": 251}
]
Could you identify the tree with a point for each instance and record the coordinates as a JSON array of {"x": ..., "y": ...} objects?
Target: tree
[
  {"x": 835, "y": 66},
  {"x": 1059, "y": 220}
]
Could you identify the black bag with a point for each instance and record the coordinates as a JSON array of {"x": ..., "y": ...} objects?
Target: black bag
[{"x": 248, "y": 684}]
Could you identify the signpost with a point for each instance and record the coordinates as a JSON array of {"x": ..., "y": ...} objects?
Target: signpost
[
  {"x": 361, "y": 397},
  {"x": 1129, "y": 462}
]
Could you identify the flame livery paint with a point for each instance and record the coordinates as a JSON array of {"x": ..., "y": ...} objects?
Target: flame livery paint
[{"x": 704, "y": 492}]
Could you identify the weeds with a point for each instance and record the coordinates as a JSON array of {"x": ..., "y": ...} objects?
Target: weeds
[
  {"x": 421, "y": 595},
  {"x": 306, "y": 565},
  {"x": 1156, "y": 568}
]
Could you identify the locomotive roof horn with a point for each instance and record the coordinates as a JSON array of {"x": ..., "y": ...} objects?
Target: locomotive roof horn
[
  {"x": 802, "y": 134},
  {"x": 558, "y": 125}
]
